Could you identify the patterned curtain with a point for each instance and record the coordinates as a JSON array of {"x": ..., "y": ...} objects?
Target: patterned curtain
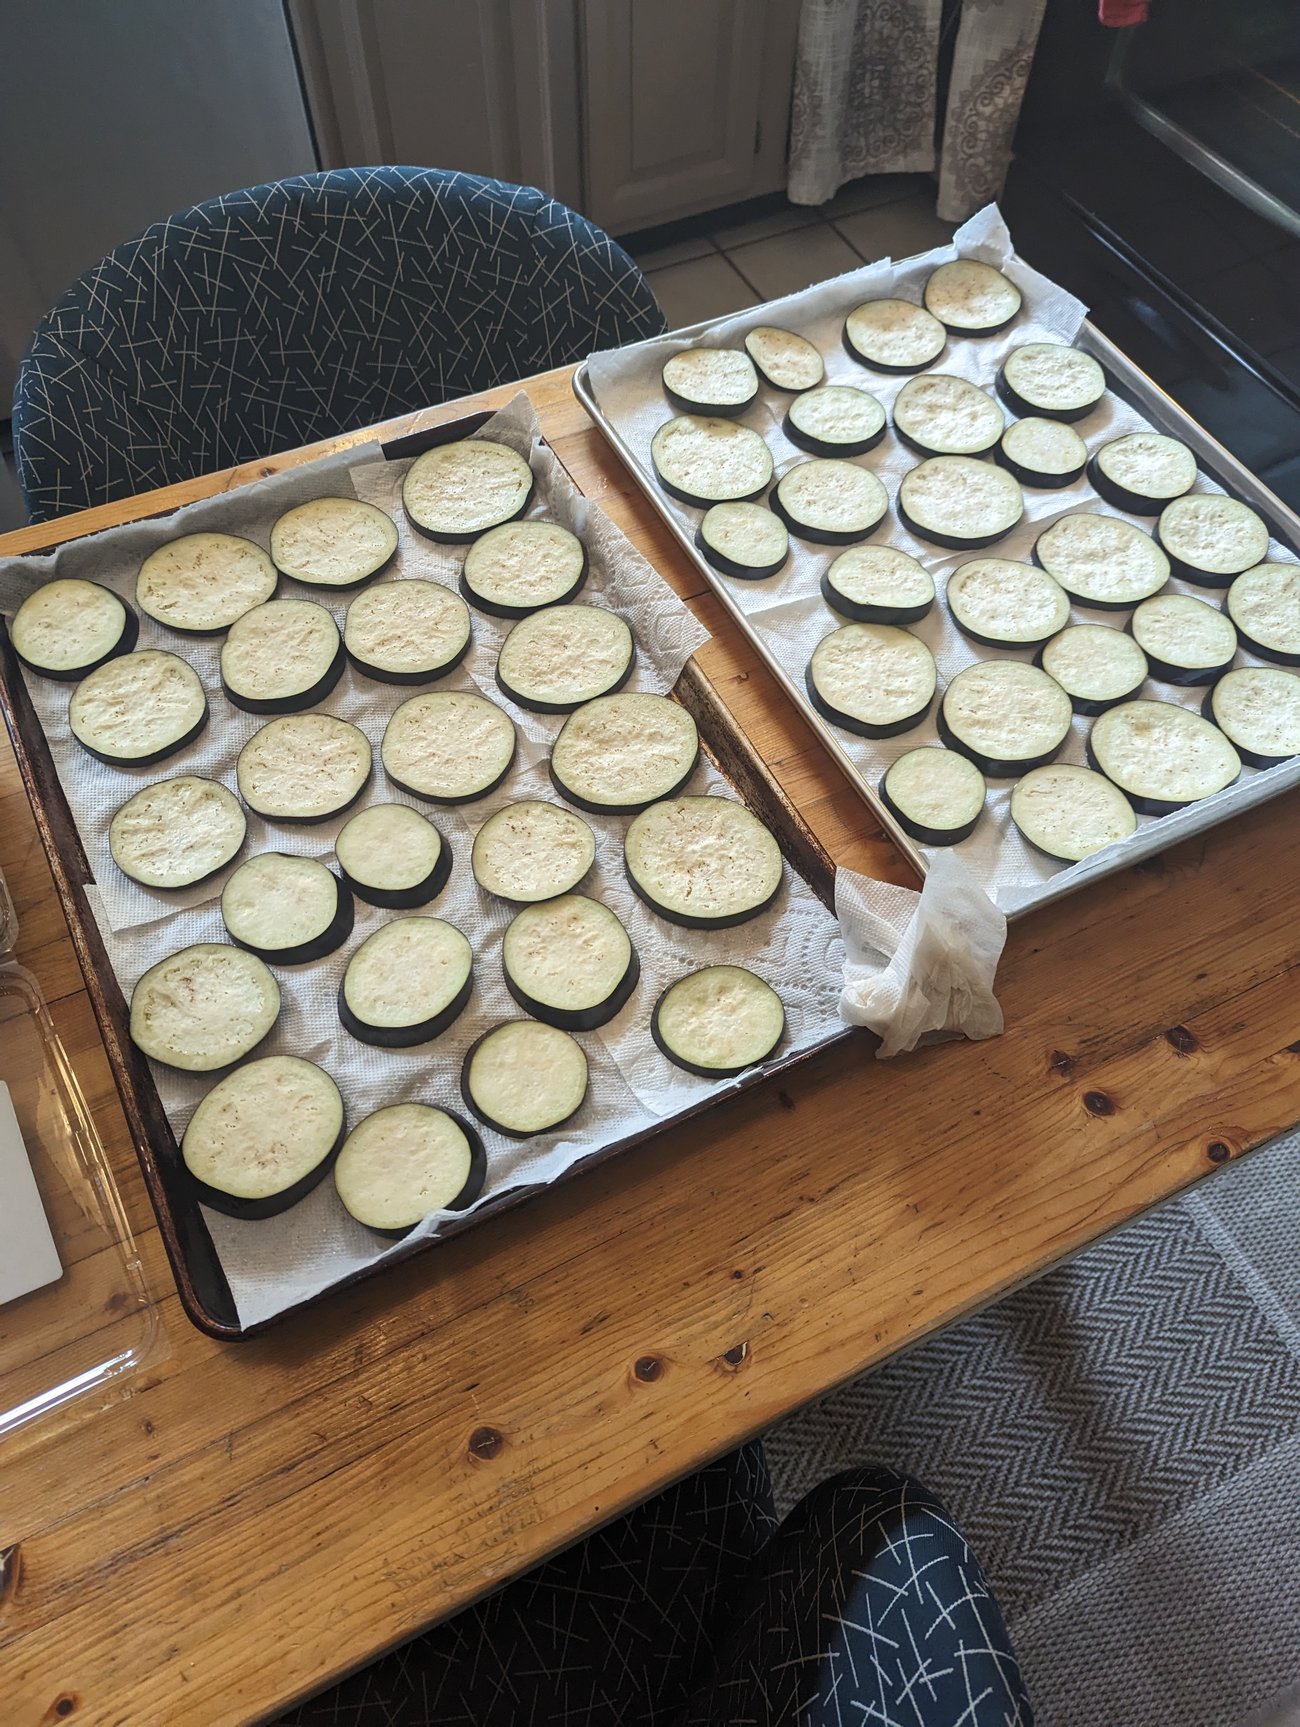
[{"x": 865, "y": 95}]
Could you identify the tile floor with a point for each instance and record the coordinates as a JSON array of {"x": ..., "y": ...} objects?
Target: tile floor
[{"x": 736, "y": 263}]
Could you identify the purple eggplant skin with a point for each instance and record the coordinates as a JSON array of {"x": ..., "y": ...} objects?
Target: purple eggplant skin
[
  {"x": 1120, "y": 497},
  {"x": 956, "y": 542},
  {"x": 444, "y": 539},
  {"x": 580, "y": 1019},
  {"x": 406, "y": 898},
  {"x": 498, "y": 609},
  {"x": 477, "y": 1110},
  {"x": 861, "y": 728},
  {"x": 251, "y": 1209},
  {"x": 474, "y": 1181},
  {"x": 124, "y": 644},
  {"x": 684, "y": 921},
  {"x": 995, "y": 767},
  {"x": 295, "y": 704},
  {"x": 629, "y": 809},
  {"x": 927, "y": 836},
  {"x": 154, "y": 756},
  {"x": 405, "y": 1036},
  {"x": 729, "y": 566},
  {"x": 332, "y": 937},
  {"x": 679, "y": 1060}
]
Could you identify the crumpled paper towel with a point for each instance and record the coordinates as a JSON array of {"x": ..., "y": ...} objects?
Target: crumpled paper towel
[{"x": 919, "y": 964}]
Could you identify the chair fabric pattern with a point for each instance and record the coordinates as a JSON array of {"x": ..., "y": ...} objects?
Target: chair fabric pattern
[{"x": 294, "y": 311}]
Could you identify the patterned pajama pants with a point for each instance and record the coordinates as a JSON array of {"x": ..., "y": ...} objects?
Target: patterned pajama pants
[{"x": 865, "y": 1607}]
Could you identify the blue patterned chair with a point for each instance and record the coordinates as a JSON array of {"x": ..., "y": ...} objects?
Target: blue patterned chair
[{"x": 294, "y": 311}]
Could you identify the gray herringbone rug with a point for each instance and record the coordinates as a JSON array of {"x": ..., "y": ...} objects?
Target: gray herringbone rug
[{"x": 1121, "y": 1442}]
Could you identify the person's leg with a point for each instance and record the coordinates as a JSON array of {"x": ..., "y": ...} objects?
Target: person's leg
[
  {"x": 866, "y": 1607},
  {"x": 612, "y": 1633}
]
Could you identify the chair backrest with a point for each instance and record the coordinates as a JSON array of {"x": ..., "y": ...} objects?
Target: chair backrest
[{"x": 297, "y": 310}]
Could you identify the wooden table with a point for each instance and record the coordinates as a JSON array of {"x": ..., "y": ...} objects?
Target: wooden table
[{"x": 256, "y": 1519}]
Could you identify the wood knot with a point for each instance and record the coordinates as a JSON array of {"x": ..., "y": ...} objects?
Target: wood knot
[
  {"x": 1217, "y": 1151},
  {"x": 1061, "y": 1063},
  {"x": 1179, "y": 1038},
  {"x": 732, "y": 1358},
  {"x": 648, "y": 1369},
  {"x": 11, "y": 1567},
  {"x": 785, "y": 1100},
  {"x": 1293, "y": 1048},
  {"x": 63, "y": 1706},
  {"x": 485, "y": 1443},
  {"x": 1097, "y": 1103}
]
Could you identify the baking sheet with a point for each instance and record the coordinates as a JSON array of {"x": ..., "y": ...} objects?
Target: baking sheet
[
  {"x": 785, "y": 615},
  {"x": 277, "y": 1263}
]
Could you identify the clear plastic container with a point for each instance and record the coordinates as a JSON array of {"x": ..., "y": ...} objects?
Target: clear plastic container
[{"x": 74, "y": 1345}]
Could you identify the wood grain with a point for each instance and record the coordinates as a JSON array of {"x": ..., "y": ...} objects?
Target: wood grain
[{"x": 255, "y": 1519}]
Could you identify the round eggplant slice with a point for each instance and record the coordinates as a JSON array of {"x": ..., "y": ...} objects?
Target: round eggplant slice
[
  {"x": 392, "y": 856},
  {"x": 455, "y": 492},
  {"x": 522, "y": 567},
  {"x": 287, "y": 910},
  {"x": 620, "y": 753},
  {"x": 177, "y": 833},
  {"x": 710, "y": 461},
  {"x": 405, "y": 1161},
  {"x": 1006, "y": 716},
  {"x": 1070, "y": 813},
  {"x": 971, "y": 298},
  {"x": 744, "y": 540},
  {"x": 872, "y": 679},
  {"x": 1264, "y": 604},
  {"x": 449, "y": 747},
  {"x": 719, "y": 1021},
  {"x": 532, "y": 851},
  {"x": 1186, "y": 641},
  {"x": 831, "y": 503},
  {"x": 406, "y": 983},
  {"x": 281, "y": 658},
  {"x": 835, "y": 420},
  {"x": 1211, "y": 538},
  {"x": 264, "y": 1137},
  {"x": 523, "y": 1078},
  {"x": 784, "y": 360},
  {"x": 554, "y": 661},
  {"x": 408, "y": 632},
  {"x": 204, "y": 1007},
  {"x": 138, "y": 709},
  {"x": 1042, "y": 453},
  {"x": 1161, "y": 756},
  {"x": 1052, "y": 380},
  {"x": 201, "y": 583},
  {"x": 1142, "y": 472},
  {"x": 68, "y": 629},
  {"x": 939, "y": 415},
  {"x": 304, "y": 768},
  {"x": 1101, "y": 561},
  {"x": 333, "y": 542},
  {"x": 935, "y": 795},
  {"x": 702, "y": 862},
  {"x": 1004, "y": 604},
  {"x": 894, "y": 336},
  {"x": 710, "y": 381},
  {"x": 1095, "y": 665},
  {"x": 878, "y": 585},
  {"x": 1257, "y": 708},
  {"x": 570, "y": 962},
  {"x": 960, "y": 503}
]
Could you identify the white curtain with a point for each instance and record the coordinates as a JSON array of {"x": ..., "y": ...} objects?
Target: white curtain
[{"x": 865, "y": 94}]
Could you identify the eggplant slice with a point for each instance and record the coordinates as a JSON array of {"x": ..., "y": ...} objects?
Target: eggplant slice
[
  {"x": 281, "y": 658},
  {"x": 939, "y": 415},
  {"x": 1102, "y": 561},
  {"x": 619, "y": 753},
  {"x": 138, "y": 709},
  {"x": 177, "y": 833},
  {"x": 449, "y": 747},
  {"x": 523, "y": 566},
  {"x": 405, "y": 1161},
  {"x": 455, "y": 492},
  {"x": 555, "y": 660},
  {"x": 407, "y": 632},
  {"x": 706, "y": 461},
  {"x": 710, "y": 381},
  {"x": 200, "y": 583},
  {"x": 68, "y": 629},
  {"x": 702, "y": 862},
  {"x": 873, "y": 679},
  {"x": 1095, "y": 665},
  {"x": 392, "y": 856},
  {"x": 286, "y": 910},
  {"x": 744, "y": 540},
  {"x": 1004, "y": 604},
  {"x": 524, "y": 1078},
  {"x": 406, "y": 983},
  {"x": 830, "y": 503},
  {"x": 1071, "y": 813},
  {"x": 1264, "y": 604},
  {"x": 304, "y": 768},
  {"x": 1042, "y": 453},
  {"x": 959, "y": 502},
  {"x": 333, "y": 542},
  {"x": 970, "y": 298},
  {"x": 935, "y": 795},
  {"x": 1257, "y": 708},
  {"x": 1211, "y": 538},
  {"x": 1052, "y": 380},
  {"x": 532, "y": 851},
  {"x": 784, "y": 360},
  {"x": 878, "y": 585},
  {"x": 1186, "y": 641},
  {"x": 264, "y": 1137},
  {"x": 894, "y": 336},
  {"x": 835, "y": 420},
  {"x": 1142, "y": 472},
  {"x": 569, "y": 961},
  {"x": 719, "y": 1021},
  {"x": 1006, "y": 716},
  {"x": 1162, "y": 756},
  {"x": 204, "y": 1007}
]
